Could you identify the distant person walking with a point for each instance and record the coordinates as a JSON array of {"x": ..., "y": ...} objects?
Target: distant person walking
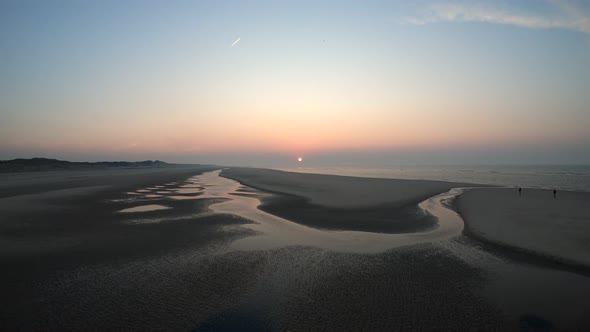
[
  {"x": 519, "y": 191},
  {"x": 554, "y": 193}
]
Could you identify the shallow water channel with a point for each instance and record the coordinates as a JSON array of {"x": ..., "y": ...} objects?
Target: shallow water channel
[{"x": 277, "y": 232}]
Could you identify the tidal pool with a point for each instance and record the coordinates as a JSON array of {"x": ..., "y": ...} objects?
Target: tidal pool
[{"x": 145, "y": 208}]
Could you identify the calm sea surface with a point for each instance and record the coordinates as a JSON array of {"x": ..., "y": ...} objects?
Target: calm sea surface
[{"x": 562, "y": 177}]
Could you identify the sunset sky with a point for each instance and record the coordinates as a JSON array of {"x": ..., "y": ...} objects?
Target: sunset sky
[{"x": 336, "y": 81}]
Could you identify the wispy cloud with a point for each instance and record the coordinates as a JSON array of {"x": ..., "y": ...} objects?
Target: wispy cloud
[{"x": 565, "y": 15}]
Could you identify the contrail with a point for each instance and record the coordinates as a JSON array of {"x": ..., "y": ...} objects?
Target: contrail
[{"x": 237, "y": 40}]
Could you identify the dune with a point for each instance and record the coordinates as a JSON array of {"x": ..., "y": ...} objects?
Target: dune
[{"x": 558, "y": 228}]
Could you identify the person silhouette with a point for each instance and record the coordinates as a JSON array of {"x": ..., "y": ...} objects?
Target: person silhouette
[
  {"x": 554, "y": 193},
  {"x": 519, "y": 191}
]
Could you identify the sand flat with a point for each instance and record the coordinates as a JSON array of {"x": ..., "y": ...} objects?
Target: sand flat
[
  {"x": 185, "y": 269},
  {"x": 535, "y": 221},
  {"x": 344, "y": 203},
  {"x": 341, "y": 191}
]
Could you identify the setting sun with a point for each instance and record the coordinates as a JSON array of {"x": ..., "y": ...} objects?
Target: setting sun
[{"x": 299, "y": 159}]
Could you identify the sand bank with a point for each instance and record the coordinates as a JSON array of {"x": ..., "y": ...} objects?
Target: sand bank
[
  {"x": 341, "y": 191},
  {"x": 342, "y": 202},
  {"x": 275, "y": 232},
  {"x": 558, "y": 228}
]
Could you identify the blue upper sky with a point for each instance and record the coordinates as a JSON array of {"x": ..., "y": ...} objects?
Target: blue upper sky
[{"x": 256, "y": 82}]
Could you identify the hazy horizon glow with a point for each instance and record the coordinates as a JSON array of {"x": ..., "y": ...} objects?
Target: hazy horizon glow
[{"x": 260, "y": 82}]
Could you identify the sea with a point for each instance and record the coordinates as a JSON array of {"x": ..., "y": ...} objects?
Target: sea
[{"x": 560, "y": 177}]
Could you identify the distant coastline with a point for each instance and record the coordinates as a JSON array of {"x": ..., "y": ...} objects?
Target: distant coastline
[{"x": 46, "y": 164}]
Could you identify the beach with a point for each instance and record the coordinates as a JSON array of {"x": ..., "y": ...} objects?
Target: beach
[
  {"x": 344, "y": 203},
  {"x": 189, "y": 248},
  {"x": 535, "y": 221}
]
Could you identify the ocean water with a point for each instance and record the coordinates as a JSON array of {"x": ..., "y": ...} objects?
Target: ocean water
[{"x": 560, "y": 177}]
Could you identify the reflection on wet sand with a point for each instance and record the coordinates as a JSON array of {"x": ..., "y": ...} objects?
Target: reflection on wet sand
[
  {"x": 278, "y": 232},
  {"x": 145, "y": 208},
  {"x": 188, "y": 190},
  {"x": 510, "y": 284},
  {"x": 195, "y": 267},
  {"x": 184, "y": 197}
]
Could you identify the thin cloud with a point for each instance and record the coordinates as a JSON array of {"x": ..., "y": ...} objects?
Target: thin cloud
[{"x": 565, "y": 16}]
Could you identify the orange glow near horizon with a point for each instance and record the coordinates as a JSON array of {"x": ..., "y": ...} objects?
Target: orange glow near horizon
[
  {"x": 175, "y": 86},
  {"x": 289, "y": 133},
  {"x": 288, "y": 115},
  {"x": 295, "y": 129}
]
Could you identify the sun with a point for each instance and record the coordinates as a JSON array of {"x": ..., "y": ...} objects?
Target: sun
[{"x": 299, "y": 159}]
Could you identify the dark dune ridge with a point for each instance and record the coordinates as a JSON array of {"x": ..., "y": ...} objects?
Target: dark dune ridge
[{"x": 45, "y": 164}]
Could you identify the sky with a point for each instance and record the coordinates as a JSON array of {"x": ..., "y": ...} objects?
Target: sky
[{"x": 261, "y": 83}]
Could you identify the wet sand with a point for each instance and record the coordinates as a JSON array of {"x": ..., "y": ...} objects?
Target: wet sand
[
  {"x": 342, "y": 202},
  {"x": 556, "y": 228},
  {"x": 74, "y": 262},
  {"x": 276, "y": 232}
]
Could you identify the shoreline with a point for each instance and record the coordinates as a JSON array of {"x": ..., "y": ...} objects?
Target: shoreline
[{"x": 564, "y": 178}]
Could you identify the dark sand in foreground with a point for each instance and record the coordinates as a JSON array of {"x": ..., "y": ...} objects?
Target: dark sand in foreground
[{"x": 71, "y": 261}]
